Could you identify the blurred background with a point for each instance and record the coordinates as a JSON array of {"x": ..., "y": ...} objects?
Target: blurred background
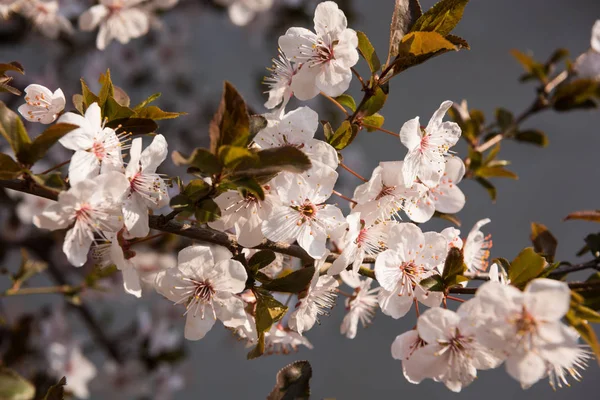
[{"x": 198, "y": 47}]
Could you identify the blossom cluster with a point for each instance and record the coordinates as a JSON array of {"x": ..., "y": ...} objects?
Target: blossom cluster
[{"x": 114, "y": 185}]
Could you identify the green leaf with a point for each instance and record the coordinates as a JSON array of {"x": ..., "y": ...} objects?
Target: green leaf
[
  {"x": 180, "y": 201},
  {"x": 373, "y": 121},
  {"x": 344, "y": 135},
  {"x": 488, "y": 186},
  {"x": 442, "y": 17},
  {"x": 78, "y": 102},
  {"x": 14, "y": 387},
  {"x": 196, "y": 189},
  {"x": 577, "y": 94},
  {"x": 580, "y": 310},
  {"x": 88, "y": 96},
  {"x": 368, "y": 52},
  {"x": 257, "y": 124},
  {"x": 261, "y": 259},
  {"x": 268, "y": 312},
  {"x": 327, "y": 131},
  {"x": 233, "y": 156},
  {"x": 201, "y": 159},
  {"x": 231, "y": 123},
  {"x": 112, "y": 110},
  {"x": 9, "y": 169},
  {"x": 292, "y": 382},
  {"x": 347, "y": 101},
  {"x": 156, "y": 114},
  {"x": 406, "y": 13},
  {"x": 374, "y": 103},
  {"x": 533, "y": 68},
  {"x": 459, "y": 42},
  {"x": 454, "y": 268},
  {"x": 134, "y": 126},
  {"x": 591, "y": 215},
  {"x": 13, "y": 130},
  {"x": 495, "y": 172},
  {"x": 434, "y": 283},
  {"x": 277, "y": 159},
  {"x": 146, "y": 102},
  {"x": 41, "y": 144},
  {"x": 418, "y": 47},
  {"x": 532, "y": 136},
  {"x": 249, "y": 186},
  {"x": 207, "y": 211},
  {"x": 504, "y": 118},
  {"x": 543, "y": 241},
  {"x": 526, "y": 266},
  {"x": 295, "y": 282},
  {"x": 57, "y": 392},
  {"x": 107, "y": 90}
]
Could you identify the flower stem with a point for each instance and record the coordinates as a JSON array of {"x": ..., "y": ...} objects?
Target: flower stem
[
  {"x": 344, "y": 197},
  {"x": 55, "y": 167},
  {"x": 360, "y": 78},
  {"x": 353, "y": 172},
  {"x": 380, "y": 129},
  {"x": 335, "y": 102}
]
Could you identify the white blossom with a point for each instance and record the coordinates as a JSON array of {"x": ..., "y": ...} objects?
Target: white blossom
[
  {"x": 476, "y": 247},
  {"x": 69, "y": 361},
  {"x": 526, "y": 326},
  {"x": 97, "y": 148},
  {"x": 45, "y": 16},
  {"x": 363, "y": 237},
  {"x": 303, "y": 216},
  {"x": 403, "y": 348},
  {"x": 92, "y": 207},
  {"x": 241, "y": 12},
  {"x": 297, "y": 128},
  {"x": 280, "y": 81},
  {"x": 445, "y": 197},
  {"x": 41, "y": 105},
  {"x": 245, "y": 214},
  {"x": 498, "y": 274},
  {"x": 452, "y": 354},
  {"x": 326, "y": 57},
  {"x": 206, "y": 280},
  {"x": 386, "y": 193},
  {"x": 587, "y": 65},
  {"x": 412, "y": 256},
  {"x": 318, "y": 298},
  {"x": 428, "y": 147},
  {"x": 147, "y": 189},
  {"x": 122, "y": 20},
  {"x": 361, "y": 306}
]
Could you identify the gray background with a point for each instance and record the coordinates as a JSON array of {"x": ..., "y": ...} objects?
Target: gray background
[{"x": 552, "y": 181}]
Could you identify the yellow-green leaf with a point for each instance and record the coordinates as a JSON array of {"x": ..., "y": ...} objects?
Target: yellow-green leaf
[
  {"x": 233, "y": 156},
  {"x": 295, "y": 282},
  {"x": 14, "y": 387},
  {"x": 442, "y": 17},
  {"x": 231, "y": 123},
  {"x": 347, "y": 101},
  {"x": 156, "y": 114},
  {"x": 406, "y": 13},
  {"x": 368, "y": 52},
  {"x": 41, "y": 144},
  {"x": 526, "y": 266},
  {"x": 9, "y": 169},
  {"x": 344, "y": 135},
  {"x": 532, "y": 136},
  {"x": 201, "y": 159},
  {"x": 12, "y": 129}
]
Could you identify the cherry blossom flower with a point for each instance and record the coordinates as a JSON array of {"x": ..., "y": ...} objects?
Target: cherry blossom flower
[
  {"x": 241, "y": 12},
  {"x": 45, "y": 17},
  {"x": 206, "y": 280},
  {"x": 319, "y": 296},
  {"x": 361, "y": 306},
  {"x": 412, "y": 256},
  {"x": 91, "y": 207},
  {"x": 297, "y": 128},
  {"x": 147, "y": 189},
  {"x": 587, "y": 65},
  {"x": 122, "y": 20},
  {"x": 445, "y": 197},
  {"x": 303, "y": 216},
  {"x": 7, "y": 7},
  {"x": 452, "y": 354},
  {"x": 526, "y": 326},
  {"x": 280, "y": 81},
  {"x": 403, "y": 348},
  {"x": 281, "y": 340},
  {"x": 363, "y": 237},
  {"x": 326, "y": 57},
  {"x": 246, "y": 214},
  {"x": 498, "y": 274},
  {"x": 386, "y": 193},
  {"x": 567, "y": 360},
  {"x": 476, "y": 247},
  {"x": 97, "y": 149},
  {"x": 69, "y": 361},
  {"x": 428, "y": 147},
  {"x": 122, "y": 259},
  {"x": 42, "y": 105}
]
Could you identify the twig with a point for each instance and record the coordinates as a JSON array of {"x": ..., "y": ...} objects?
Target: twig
[
  {"x": 353, "y": 172},
  {"x": 55, "y": 167},
  {"x": 360, "y": 78},
  {"x": 38, "y": 290},
  {"x": 335, "y": 102},
  {"x": 344, "y": 197},
  {"x": 380, "y": 129}
]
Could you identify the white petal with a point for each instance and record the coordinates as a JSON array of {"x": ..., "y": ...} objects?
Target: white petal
[
  {"x": 135, "y": 215},
  {"x": 394, "y": 305},
  {"x": 410, "y": 136},
  {"x": 333, "y": 79},
  {"x": 131, "y": 281},
  {"x": 387, "y": 269},
  {"x": 527, "y": 368},
  {"x": 197, "y": 327},
  {"x": 547, "y": 299},
  {"x": 154, "y": 154},
  {"x": 90, "y": 19},
  {"x": 304, "y": 85},
  {"x": 229, "y": 276},
  {"x": 84, "y": 165},
  {"x": 329, "y": 18},
  {"x": 437, "y": 324},
  {"x": 402, "y": 346},
  {"x": 240, "y": 14},
  {"x": 76, "y": 247},
  {"x": 595, "y": 42}
]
